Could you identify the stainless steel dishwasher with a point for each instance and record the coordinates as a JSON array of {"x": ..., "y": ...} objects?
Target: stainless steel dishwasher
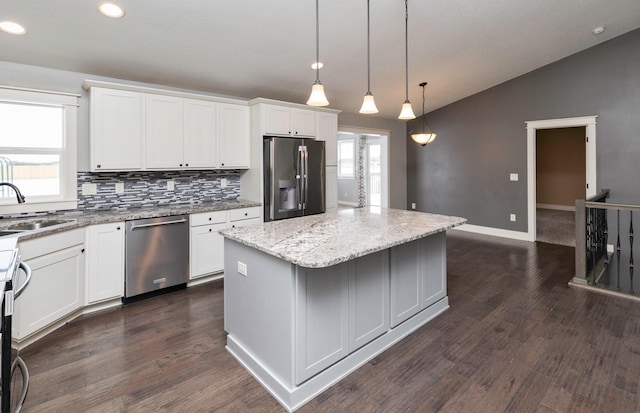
[{"x": 157, "y": 254}]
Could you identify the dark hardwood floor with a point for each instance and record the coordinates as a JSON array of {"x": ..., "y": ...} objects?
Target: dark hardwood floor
[{"x": 516, "y": 339}]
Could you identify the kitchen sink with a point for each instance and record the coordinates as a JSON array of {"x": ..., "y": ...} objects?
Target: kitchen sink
[{"x": 29, "y": 226}]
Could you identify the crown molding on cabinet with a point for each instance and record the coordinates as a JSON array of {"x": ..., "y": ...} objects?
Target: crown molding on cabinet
[
  {"x": 291, "y": 105},
  {"x": 87, "y": 84}
]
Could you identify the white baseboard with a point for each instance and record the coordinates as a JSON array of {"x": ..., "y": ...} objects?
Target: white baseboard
[
  {"x": 557, "y": 207},
  {"x": 496, "y": 232},
  {"x": 353, "y": 204}
]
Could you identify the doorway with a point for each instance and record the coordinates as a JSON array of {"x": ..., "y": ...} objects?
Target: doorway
[
  {"x": 363, "y": 179},
  {"x": 587, "y": 127}
]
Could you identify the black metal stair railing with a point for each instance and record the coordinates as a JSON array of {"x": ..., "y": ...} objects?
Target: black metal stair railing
[{"x": 597, "y": 263}]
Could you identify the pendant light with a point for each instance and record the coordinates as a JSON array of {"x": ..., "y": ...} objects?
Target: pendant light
[
  {"x": 317, "y": 97},
  {"x": 368, "y": 104},
  {"x": 407, "y": 110},
  {"x": 423, "y": 138}
]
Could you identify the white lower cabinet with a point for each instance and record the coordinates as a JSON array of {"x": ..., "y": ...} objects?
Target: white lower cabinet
[
  {"x": 418, "y": 276},
  {"x": 206, "y": 246},
  {"x": 56, "y": 288},
  {"x": 105, "y": 262}
]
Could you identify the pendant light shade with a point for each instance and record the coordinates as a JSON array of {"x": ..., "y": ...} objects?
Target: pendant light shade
[
  {"x": 317, "y": 97},
  {"x": 423, "y": 138},
  {"x": 368, "y": 104},
  {"x": 407, "y": 110}
]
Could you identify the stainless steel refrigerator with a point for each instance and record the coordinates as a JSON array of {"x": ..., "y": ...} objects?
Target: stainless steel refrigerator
[{"x": 294, "y": 177}]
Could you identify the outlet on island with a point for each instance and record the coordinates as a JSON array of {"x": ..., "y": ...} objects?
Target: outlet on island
[
  {"x": 223, "y": 182},
  {"x": 171, "y": 185}
]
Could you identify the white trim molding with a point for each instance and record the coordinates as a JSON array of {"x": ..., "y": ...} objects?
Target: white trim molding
[
  {"x": 556, "y": 207},
  {"x": 495, "y": 232},
  {"x": 589, "y": 122}
]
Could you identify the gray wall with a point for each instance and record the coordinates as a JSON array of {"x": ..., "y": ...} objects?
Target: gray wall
[
  {"x": 397, "y": 152},
  {"x": 482, "y": 138}
]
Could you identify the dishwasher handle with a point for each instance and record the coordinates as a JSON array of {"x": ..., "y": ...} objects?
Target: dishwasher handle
[
  {"x": 27, "y": 270},
  {"x": 157, "y": 224}
]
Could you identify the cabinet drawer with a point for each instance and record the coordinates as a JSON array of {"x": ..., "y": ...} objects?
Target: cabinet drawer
[
  {"x": 206, "y": 218},
  {"x": 244, "y": 213}
]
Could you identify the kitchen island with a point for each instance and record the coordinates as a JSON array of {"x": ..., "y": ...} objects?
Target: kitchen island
[{"x": 309, "y": 300}]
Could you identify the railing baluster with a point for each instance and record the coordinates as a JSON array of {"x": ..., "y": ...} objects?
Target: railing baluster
[
  {"x": 631, "y": 250},
  {"x": 605, "y": 224},
  {"x": 618, "y": 250}
]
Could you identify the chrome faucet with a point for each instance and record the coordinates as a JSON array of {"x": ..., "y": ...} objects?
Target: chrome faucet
[{"x": 15, "y": 188}]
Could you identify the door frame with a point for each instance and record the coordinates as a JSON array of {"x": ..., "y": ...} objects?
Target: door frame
[
  {"x": 384, "y": 135},
  {"x": 589, "y": 122}
]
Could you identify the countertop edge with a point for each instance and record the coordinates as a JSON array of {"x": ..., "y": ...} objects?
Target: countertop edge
[
  {"x": 87, "y": 218},
  {"x": 344, "y": 258}
]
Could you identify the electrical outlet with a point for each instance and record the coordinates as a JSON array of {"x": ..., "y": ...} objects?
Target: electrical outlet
[
  {"x": 512, "y": 217},
  {"x": 242, "y": 268},
  {"x": 119, "y": 187},
  {"x": 223, "y": 182},
  {"x": 171, "y": 185},
  {"x": 513, "y": 177},
  {"x": 89, "y": 189},
  {"x": 413, "y": 205}
]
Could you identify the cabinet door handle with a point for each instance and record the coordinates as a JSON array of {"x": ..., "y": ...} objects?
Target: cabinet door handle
[
  {"x": 209, "y": 229},
  {"x": 98, "y": 166},
  {"x": 82, "y": 250},
  {"x": 245, "y": 214},
  {"x": 180, "y": 164},
  {"x": 118, "y": 228},
  {"x": 222, "y": 164},
  {"x": 186, "y": 164}
]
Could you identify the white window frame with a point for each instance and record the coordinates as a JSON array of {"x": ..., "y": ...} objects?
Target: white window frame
[
  {"x": 68, "y": 198},
  {"x": 340, "y": 174}
]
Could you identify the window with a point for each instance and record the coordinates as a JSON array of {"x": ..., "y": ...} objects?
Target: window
[
  {"x": 346, "y": 158},
  {"x": 38, "y": 150}
]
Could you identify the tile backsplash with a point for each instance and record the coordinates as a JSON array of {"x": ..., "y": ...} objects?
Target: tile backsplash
[{"x": 144, "y": 189}]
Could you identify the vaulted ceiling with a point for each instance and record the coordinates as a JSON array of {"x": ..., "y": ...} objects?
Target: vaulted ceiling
[{"x": 260, "y": 48}]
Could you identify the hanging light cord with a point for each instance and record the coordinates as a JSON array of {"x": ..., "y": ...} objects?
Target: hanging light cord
[
  {"x": 406, "y": 49},
  {"x": 423, "y": 117},
  {"x": 368, "y": 53},
  {"x": 317, "y": 44}
]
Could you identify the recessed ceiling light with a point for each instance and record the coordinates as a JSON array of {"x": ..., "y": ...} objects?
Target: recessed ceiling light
[
  {"x": 111, "y": 10},
  {"x": 12, "y": 28},
  {"x": 598, "y": 30},
  {"x": 317, "y": 65}
]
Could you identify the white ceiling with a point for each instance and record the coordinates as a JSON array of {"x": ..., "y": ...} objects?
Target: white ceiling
[{"x": 260, "y": 48}]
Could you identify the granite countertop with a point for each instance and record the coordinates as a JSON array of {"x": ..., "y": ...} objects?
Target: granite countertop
[
  {"x": 78, "y": 219},
  {"x": 323, "y": 240}
]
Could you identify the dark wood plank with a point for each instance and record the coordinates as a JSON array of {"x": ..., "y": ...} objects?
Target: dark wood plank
[{"x": 516, "y": 339}]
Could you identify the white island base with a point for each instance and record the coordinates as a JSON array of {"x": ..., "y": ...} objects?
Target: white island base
[{"x": 299, "y": 330}]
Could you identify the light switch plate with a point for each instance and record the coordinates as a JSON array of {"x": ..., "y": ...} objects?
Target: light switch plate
[
  {"x": 513, "y": 177},
  {"x": 119, "y": 187},
  {"x": 89, "y": 189},
  {"x": 413, "y": 205},
  {"x": 171, "y": 185},
  {"x": 223, "y": 182},
  {"x": 512, "y": 217}
]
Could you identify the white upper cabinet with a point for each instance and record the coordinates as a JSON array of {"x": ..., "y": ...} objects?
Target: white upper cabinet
[
  {"x": 200, "y": 134},
  {"x": 286, "y": 121},
  {"x": 327, "y": 130},
  {"x": 233, "y": 136},
  {"x": 136, "y": 128},
  {"x": 164, "y": 132},
  {"x": 117, "y": 129},
  {"x": 303, "y": 122}
]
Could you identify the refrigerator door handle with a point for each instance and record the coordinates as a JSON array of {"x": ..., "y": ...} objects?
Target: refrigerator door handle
[
  {"x": 300, "y": 183},
  {"x": 305, "y": 163}
]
